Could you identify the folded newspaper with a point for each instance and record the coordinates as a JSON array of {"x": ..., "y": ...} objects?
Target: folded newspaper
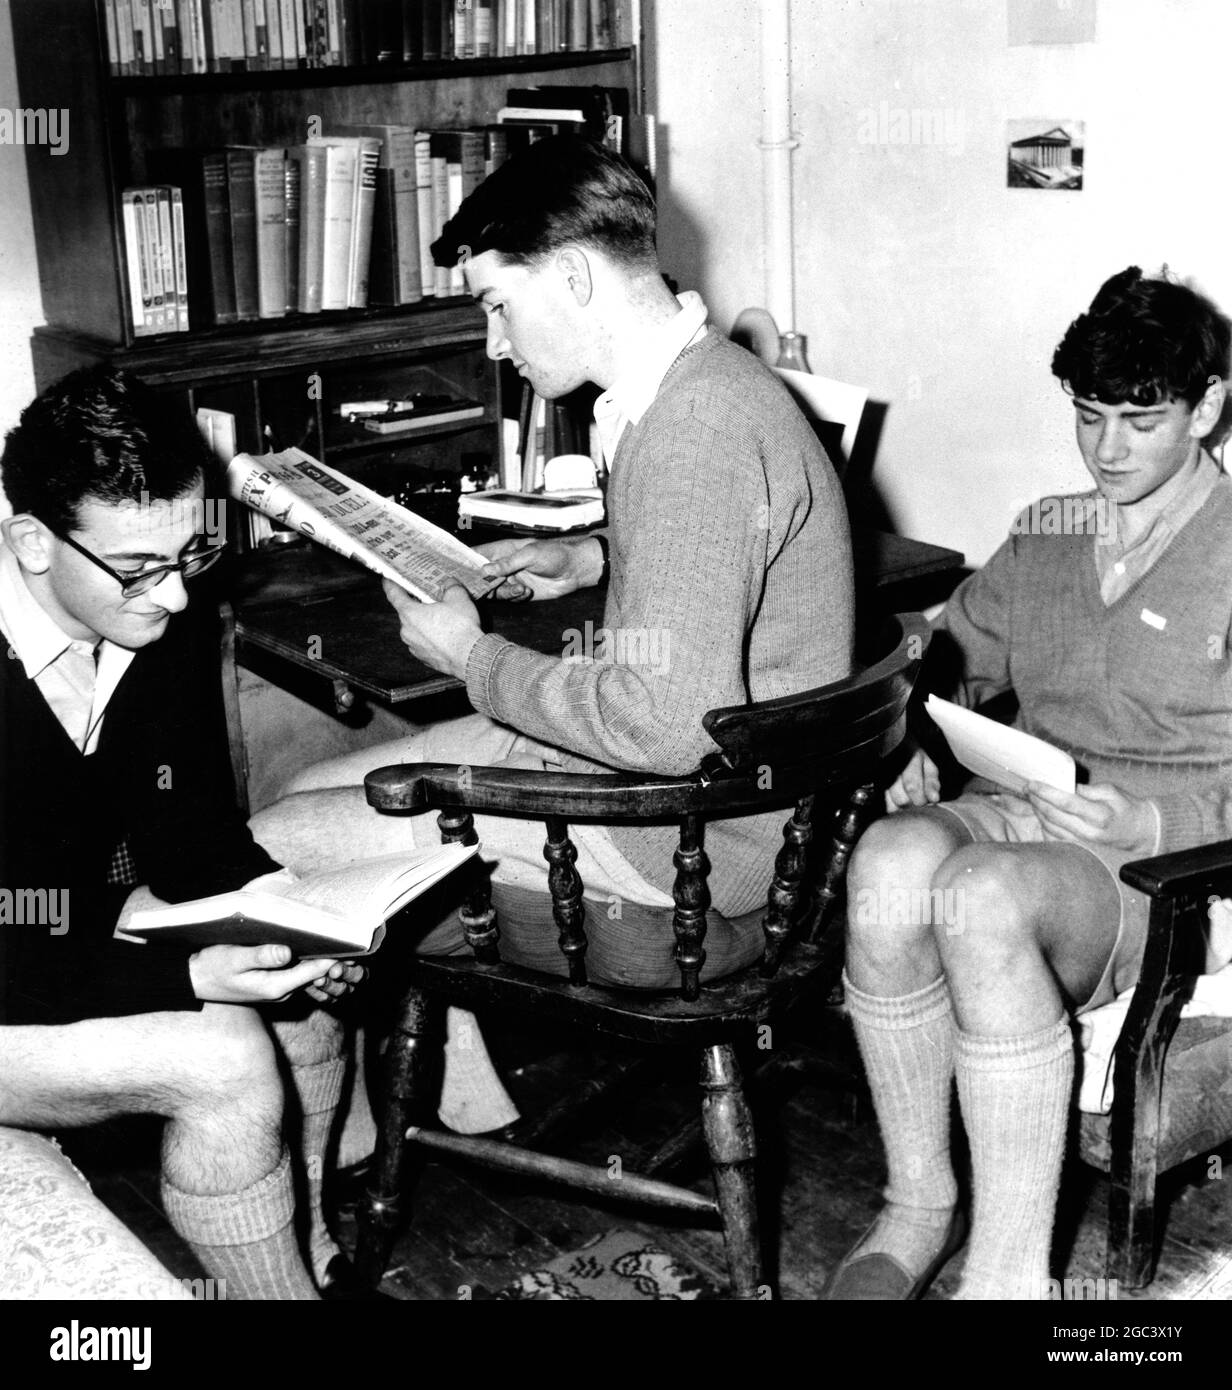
[{"x": 293, "y": 489}]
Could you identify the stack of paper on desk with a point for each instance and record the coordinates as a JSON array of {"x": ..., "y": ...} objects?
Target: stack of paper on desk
[{"x": 1003, "y": 755}]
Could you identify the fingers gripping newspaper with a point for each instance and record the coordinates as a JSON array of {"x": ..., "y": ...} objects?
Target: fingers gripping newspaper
[{"x": 293, "y": 489}]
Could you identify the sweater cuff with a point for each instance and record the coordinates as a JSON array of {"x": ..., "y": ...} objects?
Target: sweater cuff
[
  {"x": 1180, "y": 823},
  {"x": 481, "y": 673}
]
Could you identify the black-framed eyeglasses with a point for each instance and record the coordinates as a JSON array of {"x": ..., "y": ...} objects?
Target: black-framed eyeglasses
[{"x": 145, "y": 580}]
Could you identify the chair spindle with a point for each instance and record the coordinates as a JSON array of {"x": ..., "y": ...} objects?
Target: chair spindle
[
  {"x": 846, "y": 832},
  {"x": 477, "y": 914},
  {"x": 566, "y": 889},
  {"x": 692, "y": 898},
  {"x": 784, "y": 895}
]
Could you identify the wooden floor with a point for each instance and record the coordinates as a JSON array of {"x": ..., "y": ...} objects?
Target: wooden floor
[{"x": 473, "y": 1232}]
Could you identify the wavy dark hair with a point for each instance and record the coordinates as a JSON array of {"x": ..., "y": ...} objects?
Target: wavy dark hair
[
  {"x": 1143, "y": 341},
  {"x": 99, "y": 435},
  {"x": 560, "y": 190}
]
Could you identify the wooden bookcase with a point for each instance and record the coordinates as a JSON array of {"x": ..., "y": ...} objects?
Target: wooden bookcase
[{"x": 281, "y": 378}]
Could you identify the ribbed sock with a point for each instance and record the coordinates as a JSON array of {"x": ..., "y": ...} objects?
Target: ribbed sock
[
  {"x": 247, "y": 1237},
  {"x": 319, "y": 1087},
  {"x": 907, "y": 1047},
  {"x": 1015, "y": 1096}
]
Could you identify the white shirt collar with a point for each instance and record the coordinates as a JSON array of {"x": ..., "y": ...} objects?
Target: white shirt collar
[
  {"x": 33, "y": 634},
  {"x": 630, "y": 397}
]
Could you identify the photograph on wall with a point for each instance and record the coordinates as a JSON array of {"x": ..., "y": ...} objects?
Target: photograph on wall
[{"x": 1044, "y": 153}]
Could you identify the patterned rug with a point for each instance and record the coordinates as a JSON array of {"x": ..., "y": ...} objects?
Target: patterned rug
[{"x": 619, "y": 1265}]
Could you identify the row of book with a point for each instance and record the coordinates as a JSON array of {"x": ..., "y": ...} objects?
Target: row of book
[
  {"x": 343, "y": 221},
  {"x": 164, "y": 37}
]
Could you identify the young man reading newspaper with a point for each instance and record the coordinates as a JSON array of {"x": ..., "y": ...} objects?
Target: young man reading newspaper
[
  {"x": 730, "y": 569},
  {"x": 1113, "y": 632},
  {"x": 114, "y": 771}
]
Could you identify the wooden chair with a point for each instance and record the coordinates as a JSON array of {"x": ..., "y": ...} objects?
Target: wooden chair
[
  {"x": 1172, "y": 1077},
  {"x": 817, "y": 752}
]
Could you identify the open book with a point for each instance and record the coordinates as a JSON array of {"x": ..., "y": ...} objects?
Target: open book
[
  {"x": 293, "y": 489},
  {"x": 338, "y": 912},
  {"x": 1003, "y": 755}
]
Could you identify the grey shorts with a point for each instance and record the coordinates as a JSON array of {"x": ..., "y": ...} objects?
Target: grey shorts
[{"x": 1002, "y": 818}]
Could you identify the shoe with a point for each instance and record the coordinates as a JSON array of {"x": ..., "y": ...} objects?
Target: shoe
[
  {"x": 341, "y": 1284},
  {"x": 872, "y": 1278}
]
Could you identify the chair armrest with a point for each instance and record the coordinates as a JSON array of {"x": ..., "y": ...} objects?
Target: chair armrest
[
  {"x": 411, "y": 787},
  {"x": 1186, "y": 873}
]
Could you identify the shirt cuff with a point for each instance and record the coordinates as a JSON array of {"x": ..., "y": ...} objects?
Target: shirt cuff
[{"x": 481, "y": 672}]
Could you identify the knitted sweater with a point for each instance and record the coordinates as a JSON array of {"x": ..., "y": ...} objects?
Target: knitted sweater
[
  {"x": 730, "y": 582},
  {"x": 1140, "y": 691}
]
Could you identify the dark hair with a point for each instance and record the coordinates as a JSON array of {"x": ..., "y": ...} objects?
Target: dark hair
[
  {"x": 559, "y": 190},
  {"x": 99, "y": 435},
  {"x": 1143, "y": 341}
]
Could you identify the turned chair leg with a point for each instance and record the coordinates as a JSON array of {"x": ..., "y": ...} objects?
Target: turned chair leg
[
  {"x": 410, "y": 1083},
  {"x": 728, "y": 1127}
]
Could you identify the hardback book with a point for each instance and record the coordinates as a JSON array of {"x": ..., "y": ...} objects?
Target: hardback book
[
  {"x": 368, "y": 155},
  {"x": 404, "y": 421},
  {"x": 394, "y": 268},
  {"x": 180, "y": 247},
  {"x": 335, "y": 913},
  {"x": 164, "y": 314},
  {"x": 1008, "y": 757},
  {"x": 427, "y": 210},
  {"x": 341, "y": 162},
  {"x": 166, "y": 260},
  {"x": 242, "y": 204},
  {"x": 293, "y": 489},
  {"x": 464, "y": 28},
  {"x": 136, "y": 263},
  {"x": 311, "y": 160},
  {"x": 202, "y": 178},
  {"x": 534, "y": 511},
  {"x": 292, "y": 176},
  {"x": 269, "y": 179}
]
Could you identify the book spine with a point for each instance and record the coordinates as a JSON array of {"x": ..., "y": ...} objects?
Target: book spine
[
  {"x": 172, "y": 41},
  {"x": 180, "y": 257},
  {"x": 292, "y": 204},
  {"x": 234, "y": 25},
  {"x": 219, "y": 36},
  {"x": 312, "y": 160},
  {"x": 113, "y": 40},
  {"x": 368, "y": 157},
  {"x": 270, "y": 186},
  {"x": 248, "y": 19},
  {"x": 125, "y": 38},
  {"x": 217, "y": 206},
  {"x": 426, "y": 211},
  {"x": 481, "y": 21},
  {"x": 463, "y": 28},
  {"x": 579, "y": 25},
  {"x": 158, "y": 294},
  {"x": 137, "y": 274},
  {"x": 430, "y": 29},
  {"x": 411, "y": 16},
  {"x": 333, "y": 33},
  {"x": 340, "y": 162},
  {"x": 242, "y": 195},
  {"x": 528, "y": 26},
  {"x": 166, "y": 255}
]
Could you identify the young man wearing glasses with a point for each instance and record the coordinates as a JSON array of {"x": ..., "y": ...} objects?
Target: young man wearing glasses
[{"x": 113, "y": 771}]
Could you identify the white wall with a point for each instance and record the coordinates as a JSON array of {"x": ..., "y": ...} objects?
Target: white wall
[
  {"x": 20, "y": 303},
  {"x": 919, "y": 274}
]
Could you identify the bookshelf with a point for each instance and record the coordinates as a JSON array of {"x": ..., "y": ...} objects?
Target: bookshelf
[{"x": 282, "y": 378}]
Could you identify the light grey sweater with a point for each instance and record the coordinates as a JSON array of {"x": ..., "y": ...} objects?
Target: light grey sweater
[
  {"x": 730, "y": 582},
  {"x": 1139, "y": 691}
]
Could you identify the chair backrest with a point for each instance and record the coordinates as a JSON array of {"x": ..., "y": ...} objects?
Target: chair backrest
[{"x": 834, "y": 407}]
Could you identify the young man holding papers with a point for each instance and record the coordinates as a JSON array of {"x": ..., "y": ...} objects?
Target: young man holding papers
[{"x": 1112, "y": 631}]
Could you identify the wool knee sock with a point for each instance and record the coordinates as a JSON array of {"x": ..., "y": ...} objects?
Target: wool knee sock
[
  {"x": 1015, "y": 1096},
  {"x": 907, "y": 1047},
  {"x": 246, "y": 1237},
  {"x": 319, "y": 1087}
]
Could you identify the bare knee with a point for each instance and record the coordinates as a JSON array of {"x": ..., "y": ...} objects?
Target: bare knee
[
  {"x": 992, "y": 910},
  {"x": 223, "y": 1059},
  {"x": 890, "y": 878}
]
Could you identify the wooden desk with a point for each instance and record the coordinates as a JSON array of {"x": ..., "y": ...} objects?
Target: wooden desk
[{"x": 308, "y": 612}]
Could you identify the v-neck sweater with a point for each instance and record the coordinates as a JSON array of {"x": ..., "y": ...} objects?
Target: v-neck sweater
[{"x": 1140, "y": 690}]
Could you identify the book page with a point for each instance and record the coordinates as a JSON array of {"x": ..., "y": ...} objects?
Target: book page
[
  {"x": 1003, "y": 755},
  {"x": 295, "y": 490},
  {"x": 376, "y": 888}
]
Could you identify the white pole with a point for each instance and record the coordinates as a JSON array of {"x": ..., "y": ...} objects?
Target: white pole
[{"x": 777, "y": 142}]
